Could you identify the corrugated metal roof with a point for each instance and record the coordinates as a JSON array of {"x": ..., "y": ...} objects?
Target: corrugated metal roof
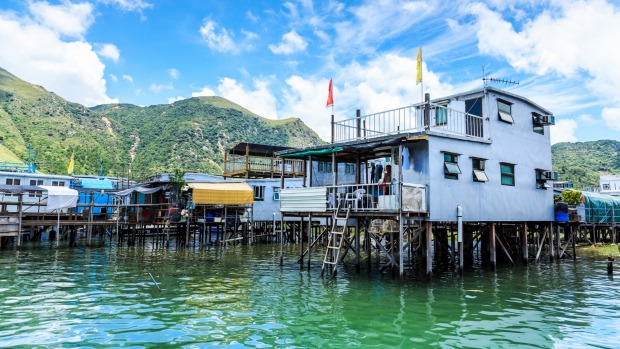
[
  {"x": 224, "y": 193},
  {"x": 92, "y": 183}
]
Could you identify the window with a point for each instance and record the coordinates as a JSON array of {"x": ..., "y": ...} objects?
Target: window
[
  {"x": 473, "y": 117},
  {"x": 505, "y": 111},
  {"x": 542, "y": 176},
  {"x": 259, "y": 193},
  {"x": 33, "y": 193},
  {"x": 508, "y": 173},
  {"x": 325, "y": 166},
  {"x": 451, "y": 169},
  {"x": 276, "y": 193},
  {"x": 441, "y": 116},
  {"x": 539, "y": 127},
  {"x": 477, "y": 164},
  {"x": 606, "y": 186},
  {"x": 349, "y": 168},
  {"x": 13, "y": 181},
  {"x": 58, "y": 184}
]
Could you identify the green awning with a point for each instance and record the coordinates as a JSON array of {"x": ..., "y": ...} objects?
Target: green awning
[{"x": 312, "y": 152}]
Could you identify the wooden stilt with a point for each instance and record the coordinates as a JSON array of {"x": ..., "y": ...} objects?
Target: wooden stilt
[
  {"x": 493, "y": 253},
  {"x": 524, "y": 243},
  {"x": 309, "y": 238},
  {"x": 429, "y": 252},
  {"x": 358, "y": 268},
  {"x": 551, "y": 241}
]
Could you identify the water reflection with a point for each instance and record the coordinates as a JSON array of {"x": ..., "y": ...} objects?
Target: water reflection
[{"x": 241, "y": 297}]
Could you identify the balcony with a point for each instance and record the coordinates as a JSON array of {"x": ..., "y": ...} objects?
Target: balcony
[
  {"x": 262, "y": 167},
  {"x": 362, "y": 198},
  {"x": 415, "y": 118}
]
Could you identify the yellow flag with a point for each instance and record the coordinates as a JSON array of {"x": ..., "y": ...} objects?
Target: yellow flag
[
  {"x": 71, "y": 163},
  {"x": 418, "y": 78}
]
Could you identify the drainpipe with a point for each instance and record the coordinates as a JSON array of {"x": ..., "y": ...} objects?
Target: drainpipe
[{"x": 459, "y": 223}]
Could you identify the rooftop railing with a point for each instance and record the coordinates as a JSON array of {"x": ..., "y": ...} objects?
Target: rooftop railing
[
  {"x": 414, "y": 118},
  {"x": 261, "y": 164}
]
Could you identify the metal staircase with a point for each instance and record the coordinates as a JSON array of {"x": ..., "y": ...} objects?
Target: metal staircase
[{"x": 335, "y": 239}]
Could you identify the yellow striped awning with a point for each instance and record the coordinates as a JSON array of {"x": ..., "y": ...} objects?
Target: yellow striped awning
[{"x": 222, "y": 193}]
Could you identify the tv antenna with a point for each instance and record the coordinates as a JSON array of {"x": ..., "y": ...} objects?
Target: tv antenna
[{"x": 486, "y": 80}]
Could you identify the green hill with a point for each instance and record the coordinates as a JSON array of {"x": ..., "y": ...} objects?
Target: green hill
[
  {"x": 190, "y": 134},
  {"x": 583, "y": 162}
]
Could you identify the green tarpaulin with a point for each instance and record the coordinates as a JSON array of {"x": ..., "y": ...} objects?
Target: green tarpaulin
[
  {"x": 601, "y": 208},
  {"x": 312, "y": 152}
]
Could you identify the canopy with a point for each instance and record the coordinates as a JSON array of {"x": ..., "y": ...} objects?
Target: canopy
[
  {"x": 222, "y": 193},
  {"x": 142, "y": 190},
  {"x": 94, "y": 183},
  {"x": 312, "y": 152},
  {"x": 60, "y": 197}
]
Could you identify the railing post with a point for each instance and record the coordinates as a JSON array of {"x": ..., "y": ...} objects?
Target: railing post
[
  {"x": 358, "y": 119},
  {"x": 427, "y": 110},
  {"x": 333, "y": 128}
]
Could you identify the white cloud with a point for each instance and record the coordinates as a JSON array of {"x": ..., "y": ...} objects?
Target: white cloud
[
  {"x": 587, "y": 118},
  {"x": 384, "y": 83},
  {"x": 611, "y": 116},
  {"x": 291, "y": 43},
  {"x": 33, "y": 50},
  {"x": 251, "y": 17},
  {"x": 129, "y": 5},
  {"x": 67, "y": 19},
  {"x": 258, "y": 99},
  {"x": 175, "y": 99},
  {"x": 174, "y": 73},
  {"x": 156, "y": 88},
  {"x": 563, "y": 131},
  {"x": 218, "y": 41},
  {"x": 128, "y": 78},
  {"x": 109, "y": 51},
  {"x": 114, "y": 78},
  {"x": 206, "y": 92},
  {"x": 565, "y": 40}
]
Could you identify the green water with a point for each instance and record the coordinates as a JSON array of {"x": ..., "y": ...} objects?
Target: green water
[{"x": 240, "y": 297}]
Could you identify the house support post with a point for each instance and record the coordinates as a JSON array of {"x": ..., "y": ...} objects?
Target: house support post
[
  {"x": 574, "y": 243},
  {"x": 20, "y": 206},
  {"x": 358, "y": 268},
  {"x": 551, "y": 240},
  {"x": 493, "y": 254},
  {"x": 309, "y": 238},
  {"x": 401, "y": 269},
  {"x": 459, "y": 222},
  {"x": 524, "y": 243},
  {"x": 429, "y": 250}
]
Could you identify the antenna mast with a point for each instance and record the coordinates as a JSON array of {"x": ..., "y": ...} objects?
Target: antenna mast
[{"x": 486, "y": 80}]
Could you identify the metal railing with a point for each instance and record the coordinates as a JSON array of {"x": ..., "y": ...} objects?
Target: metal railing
[
  {"x": 410, "y": 119},
  {"x": 263, "y": 165},
  {"x": 377, "y": 197}
]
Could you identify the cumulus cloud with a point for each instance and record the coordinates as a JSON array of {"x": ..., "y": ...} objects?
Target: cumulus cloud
[
  {"x": 565, "y": 40},
  {"x": 175, "y": 99},
  {"x": 67, "y": 19},
  {"x": 291, "y": 43},
  {"x": 563, "y": 131},
  {"x": 174, "y": 73},
  {"x": 33, "y": 49},
  {"x": 109, "y": 51},
  {"x": 129, "y": 5},
  {"x": 205, "y": 92},
  {"x": 128, "y": 78},
  {"x": 156, "y": 88},
  {"x": 220, "y": 39},
  {"x": 611, "y": 117}
]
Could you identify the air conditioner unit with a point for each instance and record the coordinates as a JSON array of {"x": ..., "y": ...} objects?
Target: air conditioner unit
[
  {"x": 547, "y": 119},
  {"x": 551, "y": 175}
]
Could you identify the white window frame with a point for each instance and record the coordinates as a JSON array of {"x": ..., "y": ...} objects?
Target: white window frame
[
  {"x": 505, "y": 116},
  {"x": 259, "y": 193}
]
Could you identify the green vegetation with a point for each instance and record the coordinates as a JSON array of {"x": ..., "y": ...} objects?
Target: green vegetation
[
  {"x": 583, "y": 162},
  {"x": 599, "y": 250},
  {"x": 571, "y": 197},
  {"x": 191, "y": 134}
]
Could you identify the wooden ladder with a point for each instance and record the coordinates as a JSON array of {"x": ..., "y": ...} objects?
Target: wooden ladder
[{"x": 335, "y": 240}]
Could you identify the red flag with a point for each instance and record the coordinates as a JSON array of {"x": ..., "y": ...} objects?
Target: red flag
[{"x": 330, "y": 97}]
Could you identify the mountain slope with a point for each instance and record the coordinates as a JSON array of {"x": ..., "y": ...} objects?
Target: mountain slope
[
  {"x": 583, "y": 162},
  {"x": 191, "y": 134}
]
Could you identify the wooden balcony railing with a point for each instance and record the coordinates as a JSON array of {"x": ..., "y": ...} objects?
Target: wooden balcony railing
[{"x": 259, "y": 166}]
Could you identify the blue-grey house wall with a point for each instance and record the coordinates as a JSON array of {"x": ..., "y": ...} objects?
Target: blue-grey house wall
[{"x": 515, "y": 143}]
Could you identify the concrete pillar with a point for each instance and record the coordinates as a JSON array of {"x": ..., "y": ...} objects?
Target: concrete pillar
[
  {"x": 524, "y": 243},
  {"x": 493, "y": 251},
  {"x": 429, "y": 250}
]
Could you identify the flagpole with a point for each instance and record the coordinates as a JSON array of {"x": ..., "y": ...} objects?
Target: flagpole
[{"x": 421, "y": 80}]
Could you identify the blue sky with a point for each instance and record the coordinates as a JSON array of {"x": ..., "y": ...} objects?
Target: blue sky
[{"x": 276, "y": 58}]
